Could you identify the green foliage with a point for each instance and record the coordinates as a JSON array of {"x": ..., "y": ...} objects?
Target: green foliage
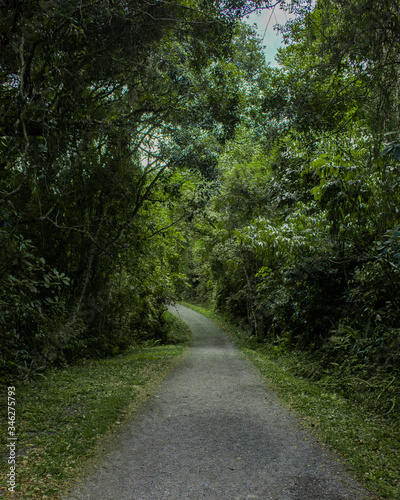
[
  {"x": 393, "y": 148},
  {"x": 31, "y": 306},
  {"x": 112, "y": 119},
  {"x": 304, "y": 245}
]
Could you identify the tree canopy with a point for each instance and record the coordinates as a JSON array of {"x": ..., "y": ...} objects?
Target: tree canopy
[
  {"x": 148, "y": 152},
  {"x": 111, "y": 114},
  {"x": 304, "y": 243}
]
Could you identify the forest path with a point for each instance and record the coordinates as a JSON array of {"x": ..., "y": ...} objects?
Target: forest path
[{"x": 214, "y": 431}]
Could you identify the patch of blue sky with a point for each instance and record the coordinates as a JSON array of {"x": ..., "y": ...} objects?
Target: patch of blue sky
[{"x": 266, "y": 22}]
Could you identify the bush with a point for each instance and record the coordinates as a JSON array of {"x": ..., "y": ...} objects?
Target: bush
[{"x": 32, "y": 314}]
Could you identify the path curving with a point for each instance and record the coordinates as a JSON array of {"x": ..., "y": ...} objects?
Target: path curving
[{"x": 213, "y": 431}]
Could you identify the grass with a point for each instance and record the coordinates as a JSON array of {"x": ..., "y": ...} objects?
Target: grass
[
  {"x": 66, "y": 420},
  {"x": 370, "y": 444}
]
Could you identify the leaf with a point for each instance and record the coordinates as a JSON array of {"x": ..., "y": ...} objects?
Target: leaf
[
  {"x": 321, "y": 161},
  {"x": 387, "y": 150}
]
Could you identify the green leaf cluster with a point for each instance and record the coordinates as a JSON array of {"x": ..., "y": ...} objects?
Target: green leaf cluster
[
  {"x": 112, "y": 119},
  {"x": 304, "y": 245}
]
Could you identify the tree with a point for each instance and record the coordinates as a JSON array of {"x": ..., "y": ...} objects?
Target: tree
[
  {"x": 101, "y": 104},
  {"x": 304, "y": 243}
]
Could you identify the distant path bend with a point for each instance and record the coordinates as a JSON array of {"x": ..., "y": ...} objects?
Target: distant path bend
[{"x": 213, "y": 431}]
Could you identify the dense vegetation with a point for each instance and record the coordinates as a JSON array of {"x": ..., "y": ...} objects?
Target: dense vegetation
[
  {"x": 112, "y": 117},
  {"x": 303, "y": 240},
  {"x": 147, "y": 146}
]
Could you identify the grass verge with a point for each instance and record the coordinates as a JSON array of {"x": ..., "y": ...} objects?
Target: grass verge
[
  {"x": 369, "y": 444},
  {"x": 66, "y": 420}
]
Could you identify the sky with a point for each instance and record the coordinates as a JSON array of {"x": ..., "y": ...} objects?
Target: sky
[{"x": 271, "y": 38}]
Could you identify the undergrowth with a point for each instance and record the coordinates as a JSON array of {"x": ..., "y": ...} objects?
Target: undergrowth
[
  {"x": 336, "y": 409},
  {"x": 65, "y": 418}
]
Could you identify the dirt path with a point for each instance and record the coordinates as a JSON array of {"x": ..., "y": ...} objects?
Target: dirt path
[{"x": 213, "y": 431}]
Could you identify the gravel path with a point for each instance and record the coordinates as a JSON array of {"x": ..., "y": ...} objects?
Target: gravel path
[{"x": 213, "y": 431}]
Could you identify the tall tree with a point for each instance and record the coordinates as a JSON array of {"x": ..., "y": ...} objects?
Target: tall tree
[{"x": 101, "y": 103}]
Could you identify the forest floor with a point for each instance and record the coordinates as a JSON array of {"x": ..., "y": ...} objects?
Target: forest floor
[{"x": 215, "y": 431}]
